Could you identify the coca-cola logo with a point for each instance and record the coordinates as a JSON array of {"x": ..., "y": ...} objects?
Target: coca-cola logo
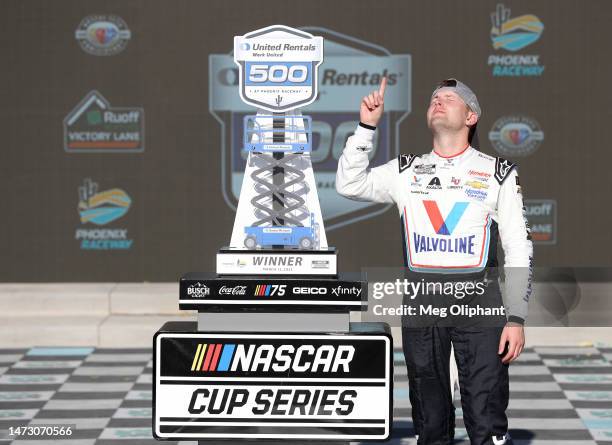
[{"x": 232, "y": 290}]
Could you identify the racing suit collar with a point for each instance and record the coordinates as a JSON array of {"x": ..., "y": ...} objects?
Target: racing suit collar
[{"x": 462, "y": 153}]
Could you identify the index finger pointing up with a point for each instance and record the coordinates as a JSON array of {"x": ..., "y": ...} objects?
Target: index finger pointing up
[{"x": 383, "y": 85}]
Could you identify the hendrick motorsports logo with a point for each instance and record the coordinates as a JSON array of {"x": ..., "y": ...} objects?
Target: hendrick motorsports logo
[
  {"x": 351, "y": 69},
  {"x": 99, "y": 209},
  {"x": 516, "y": 136},
  {"x": 103, "y": 35},
  {"x": 96, "y": 127},
  {"x": 514, "y": 34},
  {"x": 542, "y": 217}
]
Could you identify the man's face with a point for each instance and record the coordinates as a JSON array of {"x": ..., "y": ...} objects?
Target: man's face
[{"x": 447, "y": 111}]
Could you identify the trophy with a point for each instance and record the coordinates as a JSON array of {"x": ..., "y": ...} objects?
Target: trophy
[{"x": 273, "y": 354}]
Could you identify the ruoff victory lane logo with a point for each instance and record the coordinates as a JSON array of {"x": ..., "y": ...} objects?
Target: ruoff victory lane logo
[
  {"x": 96, "y": 127},
  {"x": 99, "y": 208},
  {"x": 103, "y": 35},
  {"x": 517, "y": 135},
  {"x": 542, "y": 217},
  {"x": 513, "y": 34},
  {"x": 350, "y": 70}
]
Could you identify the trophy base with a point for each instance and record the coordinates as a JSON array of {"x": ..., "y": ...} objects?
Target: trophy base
[
  {"x": 260, "y": 293},
  {"x": 277, "y": 262}
]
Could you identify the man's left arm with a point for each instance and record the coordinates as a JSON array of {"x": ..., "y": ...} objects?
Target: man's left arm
[{"x": 515, "y": 236}]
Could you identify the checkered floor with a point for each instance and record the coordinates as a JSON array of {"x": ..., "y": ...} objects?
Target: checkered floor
[{"x": 558, "y": 395}]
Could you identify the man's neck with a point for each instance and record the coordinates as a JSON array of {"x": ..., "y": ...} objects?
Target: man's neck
[{"x": 449, "y": 144}]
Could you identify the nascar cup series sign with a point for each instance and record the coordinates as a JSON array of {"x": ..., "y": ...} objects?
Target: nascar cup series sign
[{"x": 269, "y": 386}]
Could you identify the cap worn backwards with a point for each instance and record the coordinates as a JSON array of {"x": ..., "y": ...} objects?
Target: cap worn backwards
[{"x": 463, "y": 91}]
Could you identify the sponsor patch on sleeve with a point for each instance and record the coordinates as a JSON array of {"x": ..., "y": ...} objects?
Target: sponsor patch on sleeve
[
  {"x": 405, "y": 161},
  {"x": 503, "y": 168}
]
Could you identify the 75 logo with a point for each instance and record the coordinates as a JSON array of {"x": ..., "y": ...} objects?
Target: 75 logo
[{"x": 268, "y": 290}]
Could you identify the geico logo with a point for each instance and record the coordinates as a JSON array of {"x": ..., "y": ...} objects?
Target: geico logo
[
  {"x": 305, "y": 358},
  {"x": 309, "y": 290},
  {"x": 289, "y": 402}
]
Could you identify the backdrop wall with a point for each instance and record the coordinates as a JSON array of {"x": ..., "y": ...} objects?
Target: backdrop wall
[{"x": 121, "y": 123}]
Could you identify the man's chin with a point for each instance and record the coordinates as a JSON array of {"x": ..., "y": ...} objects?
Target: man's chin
[{"x": 438, "y": 123}]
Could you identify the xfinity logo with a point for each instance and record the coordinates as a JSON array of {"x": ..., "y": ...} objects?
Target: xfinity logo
[
  {"x": 232, "y": 290},
  {"x": 270, "y": 358},
  {"x": 337, "y": 291},
  {"x": 198, "y": 290}
]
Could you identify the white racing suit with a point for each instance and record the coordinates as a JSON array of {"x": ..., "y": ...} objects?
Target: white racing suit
[{"x": 452, "y": 211}]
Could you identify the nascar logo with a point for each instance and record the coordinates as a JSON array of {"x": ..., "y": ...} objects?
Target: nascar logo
[
  {"x": 218, "y": 357},
  {"x": 266, "y": 290}
]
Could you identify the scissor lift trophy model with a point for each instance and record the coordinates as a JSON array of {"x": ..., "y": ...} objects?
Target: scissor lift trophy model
[{"x": 273, "y": 354}]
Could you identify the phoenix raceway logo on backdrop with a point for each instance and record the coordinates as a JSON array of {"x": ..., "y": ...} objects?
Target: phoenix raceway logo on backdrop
[
  {"x": 516, "y": 135},
  {"x": 510, "y": 35},
  {"x": 96, "y": 127},
  {"x": 351, "y": 69},
  {"x": 102, "y": 35},
  {"x": 542, "y": 217},
  {"x": 96, "y": 210}
]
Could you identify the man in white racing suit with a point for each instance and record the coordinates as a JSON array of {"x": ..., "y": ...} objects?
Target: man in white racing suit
[{"x": 453, "y": 202}]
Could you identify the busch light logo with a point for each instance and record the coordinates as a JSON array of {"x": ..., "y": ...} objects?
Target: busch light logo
[
  {"x": 198, "y": 290},
  {"x": 103, "y": 35},
  {"x": 513, "y": 34},
  {"x": 514, "y": 136},
  {"x": 352, "y": 68},
  {"x": 99, "y": 208}
]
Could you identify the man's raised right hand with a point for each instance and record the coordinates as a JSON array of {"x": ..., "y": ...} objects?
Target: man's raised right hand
[{"x": 372, "y": 105}]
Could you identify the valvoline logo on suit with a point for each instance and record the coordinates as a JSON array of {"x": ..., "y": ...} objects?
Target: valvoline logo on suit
[{"x": 444, "y": 226}]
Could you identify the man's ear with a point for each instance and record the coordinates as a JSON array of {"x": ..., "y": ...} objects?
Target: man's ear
[{"x": 471, "y": 119}]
